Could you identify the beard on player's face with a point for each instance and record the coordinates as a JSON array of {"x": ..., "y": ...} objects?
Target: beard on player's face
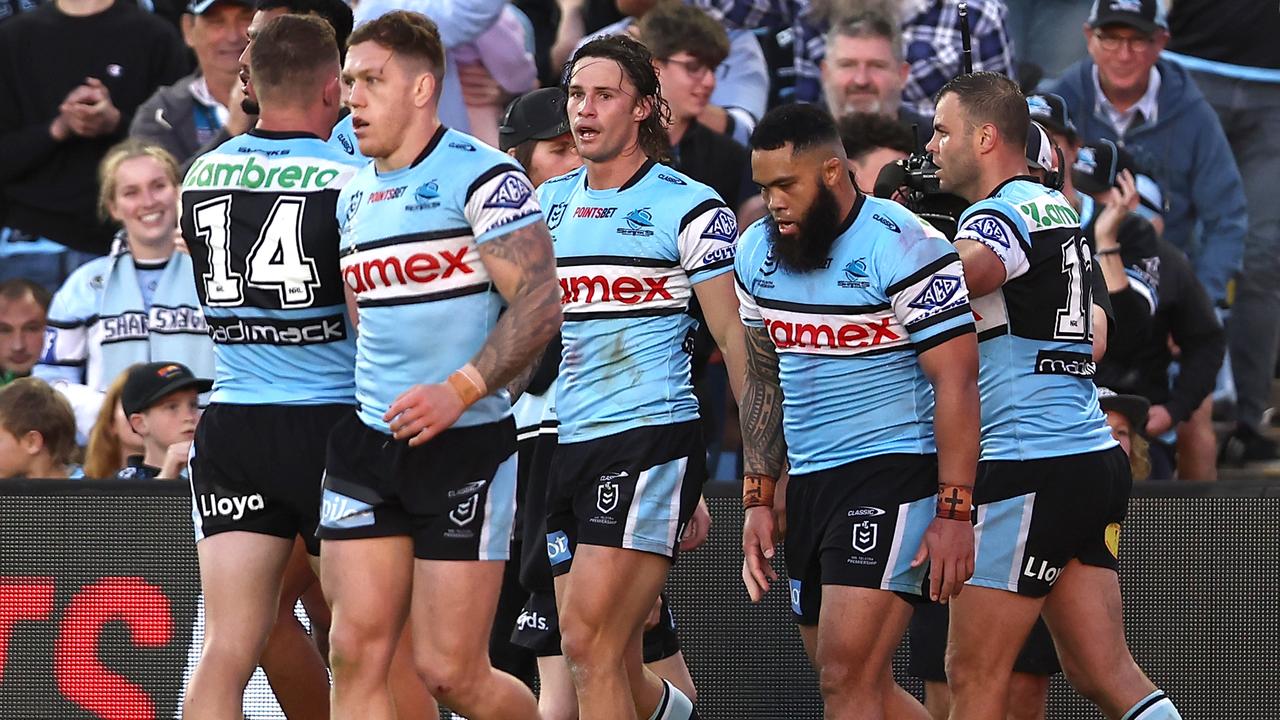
[{"x": 810, "y": 247}]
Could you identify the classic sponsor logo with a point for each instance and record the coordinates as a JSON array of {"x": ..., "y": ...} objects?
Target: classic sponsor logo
[
  {"x": 555, "y": 215},
  {"x": 865, "y": 535},
  {"x": 510, "y": 194},
  {"x": 723, "y": 227},
  {"x": 937, "y": 293},
  {"x": 607, "y": 497},
  {"x": 855, "y": 274},
  {"x": 594, "y": 213},
  {"x": 420, "y": 267},
  {"x": 387, "y": 194},
  {"x": 639, "y": 223},
  {"x": 465, "y": 512},
  {"x": 469, "y": 489},
  {"x": 886, "y": 222},
  {"x": 346, "y": 144},
  {"x": 1040, "y": 571},
  {"x": 233, "y": 507},
  {"x": 856, "y": 335},
  {"x": 271, "y": 331},
  {"x": 866, "y": 511},
  {"x": 558, "y": 547},
  {"x": 222, "y": 171},
  {"x": 1057, "y": 362},
  {"x": 465, "y": 147},
  {"x": 625, "y": 289},
  {"x": 671, "y": 179}
]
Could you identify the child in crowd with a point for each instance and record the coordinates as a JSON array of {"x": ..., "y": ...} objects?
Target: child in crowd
[
  {"x": 161, "y": 402},
  {"x": 37, "y": 431},
  {"x": 112, "y": 440}
]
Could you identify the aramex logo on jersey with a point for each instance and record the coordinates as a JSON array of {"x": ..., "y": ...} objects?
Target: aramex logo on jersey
[
  {"x": 598, "y": 288},
  {"x": 389, "y": 271},
  {"x": 852, "y": 335}
]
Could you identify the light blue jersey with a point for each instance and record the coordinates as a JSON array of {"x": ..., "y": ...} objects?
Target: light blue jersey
[
  {"x": 848, "y": 335},
  {"x": 258, "y": 217},
  {"x": 410, "y": 253},
  {"x": 628, "y": 259},
  {"x": 1035, "y": 333}
]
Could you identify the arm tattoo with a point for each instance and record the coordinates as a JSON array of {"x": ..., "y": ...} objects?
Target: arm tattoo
[
  {"x": 763, "y": 446},
  {"x": 533, "y": 303}
]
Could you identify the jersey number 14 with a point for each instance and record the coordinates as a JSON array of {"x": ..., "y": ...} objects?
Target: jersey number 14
[{"x": 276, "y": 261}]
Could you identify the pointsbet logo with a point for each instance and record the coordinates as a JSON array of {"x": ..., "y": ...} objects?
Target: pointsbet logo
[{"x": 250, "y": 172}]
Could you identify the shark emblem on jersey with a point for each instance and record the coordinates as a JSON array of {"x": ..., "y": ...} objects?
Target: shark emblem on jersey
[
  {"x": 511, "y": 193},
  {"x": 723, "y": 227},
  {"x": 990, "y": 229},
  {"x": 427, "y": 191},
  {"x": 937, "y": 293},
  {"x": 855, "y": 274},
  {"x": 639, "y": 222}
]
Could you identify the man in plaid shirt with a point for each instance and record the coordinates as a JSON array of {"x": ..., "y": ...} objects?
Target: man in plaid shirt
[{"x": 931, "y": 35}]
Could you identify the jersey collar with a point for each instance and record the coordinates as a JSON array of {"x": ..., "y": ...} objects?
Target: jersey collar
[
  {"x": 435, "y": 141},
  {"x": 281, "y": 134},
  {"x": 859, "y": 199},
  {"x": 639, "y": 175},
  {"x": 1015, "y": 178}
]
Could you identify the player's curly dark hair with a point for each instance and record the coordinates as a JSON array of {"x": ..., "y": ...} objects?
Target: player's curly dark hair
[{"x": 637, "y": 62}]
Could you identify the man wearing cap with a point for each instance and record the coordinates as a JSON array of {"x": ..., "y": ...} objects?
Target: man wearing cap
[
  {"x": 187, "y": 114},
  {"x": 161, "y": 402},
  {"x": 1151, "y": 107}
]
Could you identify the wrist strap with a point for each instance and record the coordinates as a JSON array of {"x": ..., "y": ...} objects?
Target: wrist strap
[
  {"x": 1109, "y": 251},
  {"x": 757, "y": 490},
  {"x": 955, "y": 502},
  {"x": 467, "y": 382}
]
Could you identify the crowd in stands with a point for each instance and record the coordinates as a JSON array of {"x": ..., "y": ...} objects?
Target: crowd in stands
[{"x": 1167, "y": 120}]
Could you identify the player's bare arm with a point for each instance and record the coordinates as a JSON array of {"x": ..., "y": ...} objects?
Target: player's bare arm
[
  {"x": 984, "y": 273},
  {"x": 522, "y": 267},
  {"x": 952, "y": 369},
  {"x": 719, "y": 303},
  {"x": 764, "y": 453}
]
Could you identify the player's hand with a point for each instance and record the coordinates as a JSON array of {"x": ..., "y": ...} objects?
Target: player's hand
[
  {"x": 948, "y": 547},
  {"x": 424, "y": 411},
  {"x": 757, "y": 551},
  {"x": 695, "y": 533},
  {"x": 175, "y": 459},
  {"x": 1159, "y": 421}
]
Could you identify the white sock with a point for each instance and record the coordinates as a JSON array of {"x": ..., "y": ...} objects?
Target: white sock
[
  {"x": 1155, "y": 706},
  {"x": 674, "y": 705}
]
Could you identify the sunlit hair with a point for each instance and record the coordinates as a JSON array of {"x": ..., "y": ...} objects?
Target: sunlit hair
[
  {"x": 989, "y": 97},
  {"x": 637, "y": 63},
  {"x": 102, "y": 458},
  {"x": 116, "y": 156},
  {"x": 30, "y": 404}
]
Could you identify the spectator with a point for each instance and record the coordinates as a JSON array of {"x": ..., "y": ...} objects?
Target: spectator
[
  {"x": 1231, "y": 58},
  {"x": 72, "y": 72},
  {"x": 140, "y": 302},
  {"x": 184, "y": 116},
  {"x": 495, "y": 66},
  {"x": 864, "y": 70},
  {"x": 1182, "y": 323},
  {"x": 24, "y": 307},
  {"x": 741, "y": 88},
  {"x": 460, "y": 22},
  {"x": 931, "y": 35},
  {"x": 1151, "y": 107},
  {"x": 687, "y": 46},
  {"x": 112, "y": 441},
  {"x": 161, "y": 401},
  {"x": 37, "y": 431},
  {"x": 1127, "y": 415},
  {"x": 871, "y": 141}
]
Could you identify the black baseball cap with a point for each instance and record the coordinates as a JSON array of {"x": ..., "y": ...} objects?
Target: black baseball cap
[
  {"x": 1133, "y": 407},
  {"x": 1097, "y": 166},
  {"x": 1050, "y": 110},
  {"x": 1143, "y": 15},
  {"x": 200, "y": 7},
  {"x": 537, "y": 115},
  {"x": 147, "y": 384}
]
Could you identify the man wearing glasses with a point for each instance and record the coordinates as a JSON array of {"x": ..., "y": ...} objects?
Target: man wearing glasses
[{"x": 1126, "y": 93}]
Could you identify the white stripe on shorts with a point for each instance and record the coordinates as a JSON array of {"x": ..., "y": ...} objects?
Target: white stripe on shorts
[{"x": 1020, "y": 548}]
